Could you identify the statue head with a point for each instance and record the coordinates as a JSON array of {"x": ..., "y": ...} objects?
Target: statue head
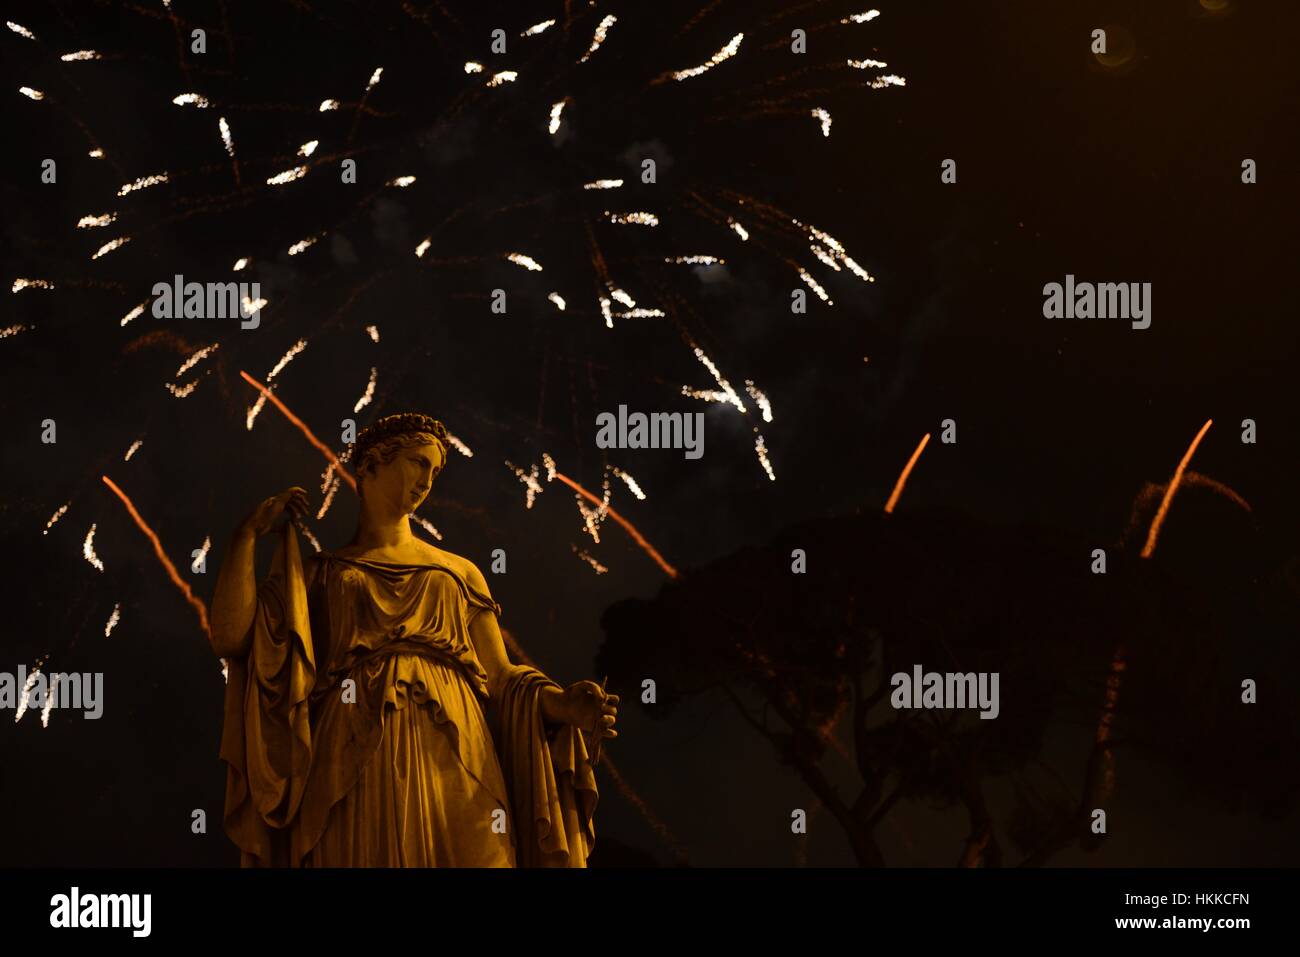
[{"x": 397, "y": 458}]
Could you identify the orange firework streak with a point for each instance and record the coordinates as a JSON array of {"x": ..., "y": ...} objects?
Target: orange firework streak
[
  {"x": 302, "y": 426},
  {"x": 162, "y": 557},
  {"x": 1119, "y": 663},
  {"x": 515, "y": 648},
  {"x": 902, "y": 477},
  {"x": 627, "y": 526}
]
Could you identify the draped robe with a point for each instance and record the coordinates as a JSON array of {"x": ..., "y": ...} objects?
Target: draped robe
[{"x": 355, "y": 732}]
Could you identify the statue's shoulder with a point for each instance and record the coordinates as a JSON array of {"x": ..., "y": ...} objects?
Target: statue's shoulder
[{"x": 461, "y": 565}]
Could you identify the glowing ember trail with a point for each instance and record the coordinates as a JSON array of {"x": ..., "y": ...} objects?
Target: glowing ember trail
[
  {"x": 302, "y": 427},
  {"x": 1119, "y": 662},
  {"x": 1154, "y": 531},
  {"x": 902, "y": 478},
  {"x": 637, "y": 537},
  {"x": 179, "y": 582}
]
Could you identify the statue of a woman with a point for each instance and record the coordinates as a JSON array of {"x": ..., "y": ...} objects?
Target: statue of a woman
[{"x": 355, "y": 729}]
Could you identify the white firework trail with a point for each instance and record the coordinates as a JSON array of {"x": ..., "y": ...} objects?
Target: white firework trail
[
  {"x": 582, "y": 553},
  {"x": 556, "y": 298},
  {"x": 473, "y": 67},
  {"x": 303, "y": 244},
  {"x": 8, "y": 331},
  {"x": 135, "y": 447},
  {"x": 21, "y": 284},
  {"x": 505, "y": 76},
  {"x": 740, "y": 230},
  {"x": 459, "y": 446},
  {"x": 532, "y": 488},
  {"x": 135, "y": 313},
  {"x": 696, "y": 260},
  {"x": 27, "y": 692},
  {"x": 144, "y": 182},
  {"x": 633, "y": 219},
  {"x": 113, "y": 619},
  {"x": 327, "y": 105},
  {"x": 369, "y": 393},
  {"x": 88, "y": 549},
  {"x": 537, "y": 28},
  {"x": 603, "y": 184},
  {"x": 288, "y": 176},
  {"x": 288, "y": 357},
  {"x": 602, "y": 31},
  {"x": 761, "y": 448},
  {"x": 109, "y": 246},
  {"x": 202, "y": 556},
  {"x": 815, "y": 286},
  {"x": 96, "y": 154},
  {"x": 708, "y": 395},
  {"x": 240, "y": 263},
  {"x": 862, "y": 17},
  {"x": 55, "y": 517},
  {"x": 528, "y": 262},
  {"x": 373, "y": 333},
  {"x": 181, "y": 391},
  {"x": 824, "y": 256},
  {"x": 252, "y": 305},
  {"x": 90, "y": 222},
  {"x": 28, "y": 92},
  {"x": 49, "y": 701},
  {"x": 191, "y": 99},
  {"x": 374, "y": 78},
  {"x": 196, "y": 358},
  {"x": 401, "y": 182},
  {"x": 556, "y": 109},
  {"x": 19, "y": 29},
  {"x": 825, "y": 119},
  {"x": 424, "y": 524},
  {"x": 226, "y": 139},
  {"x": 549, "y": 464},
  {"x": 307, "y": 532},
  {"x": 81, "y": 55},
  {"x": 731, "y": 397},
  {"x": 725, "y": 53},
  {"x": 604, "y": 311},
  {"x": 629, "y": 481},
  {"x": 332, "y": 483},
  {"x": 308, "y": 148},
  {"x": 592, "y": 518},
  {"x": 760, "y": 399},
  {"x": 892, "y": 79},
  {"x": 423, "y": 248},
  {"x": 867, "y": 64}
]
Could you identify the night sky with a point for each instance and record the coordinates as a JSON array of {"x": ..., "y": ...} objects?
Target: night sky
[{"x": 1127, "y": 170}]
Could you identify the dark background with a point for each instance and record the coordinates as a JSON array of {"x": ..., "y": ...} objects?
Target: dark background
[{"x": 1128, "y": 172}]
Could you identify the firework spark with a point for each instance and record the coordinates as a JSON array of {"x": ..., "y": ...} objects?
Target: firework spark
[
  {"x": 902, "y": 476},
  {"x": 113, "y": 619},
  {"x": 1154, "y": 532},
  {"x": 88, "y": 549}
]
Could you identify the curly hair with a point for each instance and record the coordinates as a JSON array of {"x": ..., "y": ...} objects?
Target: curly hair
[{"x": 380, "y": 443}]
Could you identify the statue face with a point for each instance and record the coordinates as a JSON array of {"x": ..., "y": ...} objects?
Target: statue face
[{"x": 403, "y": 483}]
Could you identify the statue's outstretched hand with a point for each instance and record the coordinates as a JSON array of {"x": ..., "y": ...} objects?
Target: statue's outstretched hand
[
  {"x": 585, "y": 705},
  {"x": 292, "y": 500}
]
